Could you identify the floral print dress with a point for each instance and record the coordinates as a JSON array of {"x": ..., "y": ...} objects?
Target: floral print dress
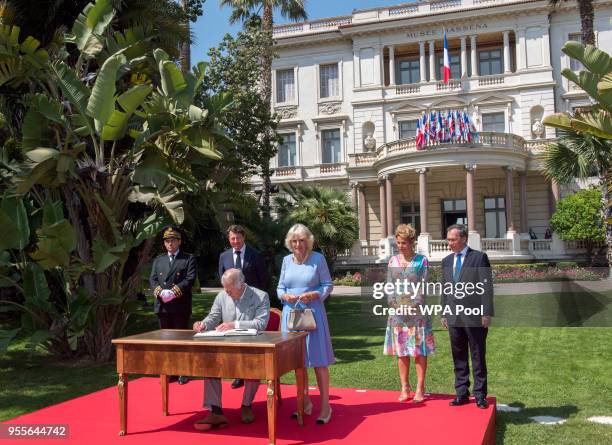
[{"x": 408, "y": 335}]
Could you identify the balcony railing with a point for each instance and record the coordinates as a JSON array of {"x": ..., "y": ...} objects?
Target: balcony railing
[
  {"x": 466, "y": 84},
  {"x": 487, "y": 81},
  {"x": 285, "y": 171},
  {"x": 384, "y": 13},
  {"x": 483, "y": 139},
  {"x": 331, "y": 168},
  {"x": 499, "y": 244}
]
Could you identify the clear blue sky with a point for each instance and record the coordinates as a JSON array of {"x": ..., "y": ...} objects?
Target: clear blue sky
[{"x": 214, "y": 23}]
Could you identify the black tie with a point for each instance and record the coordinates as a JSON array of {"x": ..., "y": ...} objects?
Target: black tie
[
  {"x": 238, "y": 260},
  {"x": 171, "y": 258}
]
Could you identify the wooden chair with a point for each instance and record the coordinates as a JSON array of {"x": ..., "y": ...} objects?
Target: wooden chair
[{"x": 274, "y": 325}]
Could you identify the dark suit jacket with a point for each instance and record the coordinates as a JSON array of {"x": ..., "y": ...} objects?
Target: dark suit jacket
[
  {"x": 253, "y": 267},
  {"x": 178, "y": 277},
  {"x": 475, "y": 268}
]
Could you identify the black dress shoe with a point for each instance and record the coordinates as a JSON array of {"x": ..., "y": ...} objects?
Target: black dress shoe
[
  {"x": 458, "y": 401},
  {"x": 237, "y": 383},
  {"x": 482, "y": 403},
  {"x": 182, "y": 380}
]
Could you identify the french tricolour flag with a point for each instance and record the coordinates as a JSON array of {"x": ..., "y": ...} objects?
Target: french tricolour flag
[{"x": 447, "y": 71}]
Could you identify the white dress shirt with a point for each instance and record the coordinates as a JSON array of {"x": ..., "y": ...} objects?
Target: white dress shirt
[
  {"x": 242, "y": 251},
  {"x": 463, "y": 254}
]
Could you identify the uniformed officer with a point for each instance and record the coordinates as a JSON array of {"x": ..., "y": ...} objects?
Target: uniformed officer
[{"x": 172, "y": 277}]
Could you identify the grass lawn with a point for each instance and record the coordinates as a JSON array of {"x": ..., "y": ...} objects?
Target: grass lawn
[{"x": 547, "y": 371}]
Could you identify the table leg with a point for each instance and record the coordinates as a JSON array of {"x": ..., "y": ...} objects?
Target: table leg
[
  {"x": 164, "y": 389},
  {"x": 123, "y": 401},
  {"x": 300, "y": 379},
  {"x": 271, "y": 412}
]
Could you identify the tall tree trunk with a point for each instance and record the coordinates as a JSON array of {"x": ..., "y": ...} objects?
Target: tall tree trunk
[
  {"x": 587, "y": 14},
  {"x": 186, "y": 48},
  {"x": 267, "y": 24}
]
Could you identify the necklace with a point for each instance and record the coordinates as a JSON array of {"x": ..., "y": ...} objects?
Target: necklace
[
  {"x": 406, "y": 261},
  {"x": 296, "y": 261}
]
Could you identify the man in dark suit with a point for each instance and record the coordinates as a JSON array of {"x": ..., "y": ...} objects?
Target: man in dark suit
[
  {"x": 469, "y": 309},
  {"x": 172, "y": 277},
  {"x": 249, "y": 260}
]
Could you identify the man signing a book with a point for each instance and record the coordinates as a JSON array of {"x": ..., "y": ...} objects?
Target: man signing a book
[{"x": 237, "y": 306}]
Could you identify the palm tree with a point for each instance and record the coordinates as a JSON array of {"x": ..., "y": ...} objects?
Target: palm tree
[
  {"x": 587, "y": 14},
  {"x": 582, "y": 155},
  {"x": 327, "y": 212},
  {"x": 586, "y": 137},
  {"x": 242, "y": 10}
]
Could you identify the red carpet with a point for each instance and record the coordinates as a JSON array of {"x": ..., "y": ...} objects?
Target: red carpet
[{"x": 359, "y": 417}]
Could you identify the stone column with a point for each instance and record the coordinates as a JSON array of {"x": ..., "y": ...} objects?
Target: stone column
[
  {"x": 354, "y": 185},
  {"x": 546, "y": 45},
  {"x": 473, "y": 235},
  {"x": 523, "y": 201},
  {"x": 389, "y": 193},
  {"x": 521, "y": 50},
  {"x": 424, "y": 236},
  {"x": 555, "y": 196},
  {"x": 464, "y": 65},
  {"x": 432, "y": 61},
  {"x": 383, "y": 207},
  {"x": 423, "y": 199},
  {"x": 509, "y": 200},
  {"x": 422, "y": 62},
  {"x": 362, "y": 213},
  {"x": 392, "y": 65},
  {"x": 474, "y": 56},
  {"x": 507, "y": 61}
]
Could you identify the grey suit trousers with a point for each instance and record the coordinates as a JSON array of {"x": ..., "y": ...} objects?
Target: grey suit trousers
[{"x": 212, "y": 392}]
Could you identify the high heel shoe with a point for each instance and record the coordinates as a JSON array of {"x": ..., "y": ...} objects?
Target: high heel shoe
[
  {"x": 324, "y": 420},
  {"x": 402, "y": 397},
  {"x": 419, "y": 397},
  {"x": 307, "y": 411}
]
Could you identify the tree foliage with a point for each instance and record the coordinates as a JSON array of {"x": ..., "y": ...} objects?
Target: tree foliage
[
  {"x": 578, "y": 217},
  {"x": 585, "y": 142},
  {"x": 111, "y": 143},
  {"x": 244, "y": 10},
  {"x": 235, "y": 68},
  {"x": 328, "y": 214}
]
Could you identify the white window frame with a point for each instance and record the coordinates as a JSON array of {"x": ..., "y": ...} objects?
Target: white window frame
[
  {"x": 399, "y": 124},
  {"x": 340, "y": 96},
  {"x": 332, "y": 125},
  {"x": 494, "y": 110},
  {"x": 296, "y": 86},
  {"x": 297, "y": 130},
  {"x": 295, "y": 135}
]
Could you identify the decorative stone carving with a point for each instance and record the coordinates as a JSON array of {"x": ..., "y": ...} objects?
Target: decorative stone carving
[
  {"x": 369, "y": 142},
  {"x": 537, "y": 128},
  {"x": 329, "y": 107},
  {"x": 287, "y": 112}
]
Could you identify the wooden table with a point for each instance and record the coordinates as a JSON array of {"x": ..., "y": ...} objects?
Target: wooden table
[{"x": 176, "y": 352}]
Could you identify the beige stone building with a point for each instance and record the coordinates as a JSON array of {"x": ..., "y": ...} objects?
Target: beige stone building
[{"x": 350, "y": 90}]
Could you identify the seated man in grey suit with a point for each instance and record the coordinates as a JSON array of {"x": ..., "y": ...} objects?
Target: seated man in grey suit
[{"x": 237, "y": 306}]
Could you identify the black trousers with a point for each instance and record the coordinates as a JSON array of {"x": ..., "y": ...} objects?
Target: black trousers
[
  {"x": 474, "y": 340},
  {"x": 173, "y": 321}
]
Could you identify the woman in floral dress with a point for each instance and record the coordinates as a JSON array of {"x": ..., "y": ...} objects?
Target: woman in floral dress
[{"x": 409, "y": 335}]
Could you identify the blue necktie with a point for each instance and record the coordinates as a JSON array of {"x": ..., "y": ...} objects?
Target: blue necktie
[{"x": 457, "y": 272}]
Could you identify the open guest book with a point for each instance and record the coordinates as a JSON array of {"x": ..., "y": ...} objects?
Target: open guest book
[{"x": 230, "y": 333}]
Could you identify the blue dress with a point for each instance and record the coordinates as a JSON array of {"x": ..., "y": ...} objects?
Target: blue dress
[{"x": 295, "y": 279}]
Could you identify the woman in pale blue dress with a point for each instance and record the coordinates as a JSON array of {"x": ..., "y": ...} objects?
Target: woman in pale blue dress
[{"x": 305, "y": 282}]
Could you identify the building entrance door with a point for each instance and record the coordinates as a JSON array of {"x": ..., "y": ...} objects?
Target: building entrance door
[{"x": 454, "y": 211}]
